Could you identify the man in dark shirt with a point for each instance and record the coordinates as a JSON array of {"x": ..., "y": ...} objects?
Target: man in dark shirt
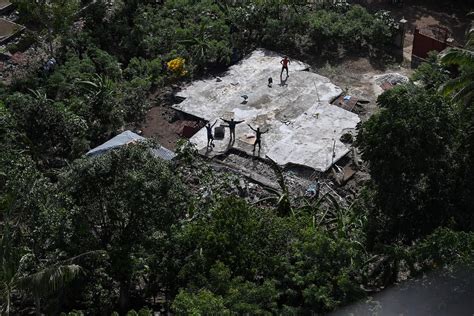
[
  {"x": 210, "y": 137},
  {"x": 231, "y": 124},
  {"x": 258, "y": 137}
]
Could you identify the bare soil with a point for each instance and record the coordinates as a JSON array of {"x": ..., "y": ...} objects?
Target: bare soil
[
  {"x": 422, "y": 14},
  {"x": 166, "y": 125}
]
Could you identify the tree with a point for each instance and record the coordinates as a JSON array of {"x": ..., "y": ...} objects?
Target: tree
[
  {"x": 408, "y": 146},
  {"x": 461, "y": 91},
  {"x": 103, "y": 114},
  {"x": 461, "y": 88},
  {"x": 431, "y": 73},
  {"x": 54, "y": 15},
  {"x": 257, "y": 260},
  {"x": 49, "y": 129},
  {"x": 120, "y": 202},
  {"x": 202, "y": 303},
  {"x": 196, "y": 31}
]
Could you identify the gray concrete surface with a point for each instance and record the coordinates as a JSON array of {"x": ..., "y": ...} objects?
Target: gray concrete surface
[{"x": 304, "y": 128}]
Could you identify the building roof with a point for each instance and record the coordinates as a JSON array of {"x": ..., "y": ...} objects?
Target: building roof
[
  {"x": 303, "y": 127},
  {"x": 128, "y": 137}
]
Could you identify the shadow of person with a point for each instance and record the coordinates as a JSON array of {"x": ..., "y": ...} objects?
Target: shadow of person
[
  {"x": 283, "y": 82},
  {"x": 229, "y": 145}
]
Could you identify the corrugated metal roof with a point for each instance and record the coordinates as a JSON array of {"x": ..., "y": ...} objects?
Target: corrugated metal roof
[{"x": 128, "y": 137}]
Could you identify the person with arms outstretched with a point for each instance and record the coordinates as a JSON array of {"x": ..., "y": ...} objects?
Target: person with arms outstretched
[
  {"x": 210, "y": 136},
  {"x": 284, "y": 65},
  {"x": 231, "y": 125},
  {"x": 258, "y": 137}
]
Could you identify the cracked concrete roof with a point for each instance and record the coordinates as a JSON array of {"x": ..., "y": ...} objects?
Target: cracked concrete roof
[{"x": 304, "y": 128}]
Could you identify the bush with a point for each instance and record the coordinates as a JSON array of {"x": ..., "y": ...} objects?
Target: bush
[
  {"x": 25, "y": 42},
  {"x": 203, "y": 302},
  {"x": 151, "y": 70}
]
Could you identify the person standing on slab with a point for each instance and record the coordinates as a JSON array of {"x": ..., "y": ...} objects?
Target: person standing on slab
[
  {"x": 231, "y": 124},
  {"x": 210, "y": 136},
  {"x": 258, "y": 137},
  {"x": 284, "y": 65}
]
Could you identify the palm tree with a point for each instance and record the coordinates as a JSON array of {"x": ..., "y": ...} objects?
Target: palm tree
[
  {"x": 461, "y": 88},
  {"x": 43, "y": 282},
  {"x": 98, "y": 87},
  {"x": 40, "y": 283},
  {"x": 47, "y": 281}
]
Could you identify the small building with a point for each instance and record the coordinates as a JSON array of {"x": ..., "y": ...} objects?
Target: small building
[
  {"x": 9, "y": 30},
  {"x": 126, "y": 138},
  {"x": 5, "y": 6}
]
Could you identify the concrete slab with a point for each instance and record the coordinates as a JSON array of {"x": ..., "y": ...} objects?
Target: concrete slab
[{"x": 304, "y": 128}]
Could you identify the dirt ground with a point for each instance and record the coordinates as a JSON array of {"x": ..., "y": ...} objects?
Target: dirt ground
[
  {"x": 355, "y": 76},
  {"x": 166, "y": 125},
  {"x": 425, "y": 13}
]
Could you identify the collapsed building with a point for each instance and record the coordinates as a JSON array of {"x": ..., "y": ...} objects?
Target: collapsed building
[{"x": 304, "y": 128}]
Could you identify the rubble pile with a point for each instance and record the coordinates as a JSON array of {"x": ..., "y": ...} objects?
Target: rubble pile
[{"x": 391, "y": 78}]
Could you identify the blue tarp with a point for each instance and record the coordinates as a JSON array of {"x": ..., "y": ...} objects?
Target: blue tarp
[{"x": 128, "y": 137}]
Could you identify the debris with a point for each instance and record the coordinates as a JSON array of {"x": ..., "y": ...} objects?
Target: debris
[
  {"x": 388, "y": 81},
  {"x": 347, "y": 174},
  {"x": 313, "y": 190},
  {"x": 347, "y": 138},
  {"x": 243, "y": 190},
  {"x": 347, "y": 102}
]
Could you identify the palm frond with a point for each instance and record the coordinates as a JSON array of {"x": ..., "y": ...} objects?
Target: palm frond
[
  {"x": 466, "y": 94},
  {"x": 451, "y": 86},
  {"x": 49, "y": 279},
  {"x": 458, "y": 56},
  {"x": 87, "y": 84},
  {"x": 41, "y": 97}
]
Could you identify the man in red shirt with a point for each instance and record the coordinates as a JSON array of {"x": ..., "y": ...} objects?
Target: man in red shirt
[{"x": 284, "y": 62}]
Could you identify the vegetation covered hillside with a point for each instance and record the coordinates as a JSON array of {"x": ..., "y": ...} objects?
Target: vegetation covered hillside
[{"x": 126, "y": 231}]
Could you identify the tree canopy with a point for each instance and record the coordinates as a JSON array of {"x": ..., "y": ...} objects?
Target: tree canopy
[{"x": 125, "y": 231}]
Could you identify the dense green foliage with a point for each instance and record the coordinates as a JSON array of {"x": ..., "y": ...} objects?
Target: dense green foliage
[
  {"x": 211, "y": 34},
  {"x": 125, "y": 231},
  {"x": 419, "y": 150}
]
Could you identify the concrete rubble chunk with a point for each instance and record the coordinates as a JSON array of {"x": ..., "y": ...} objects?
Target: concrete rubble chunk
[{"x": 304, "y": 128}]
